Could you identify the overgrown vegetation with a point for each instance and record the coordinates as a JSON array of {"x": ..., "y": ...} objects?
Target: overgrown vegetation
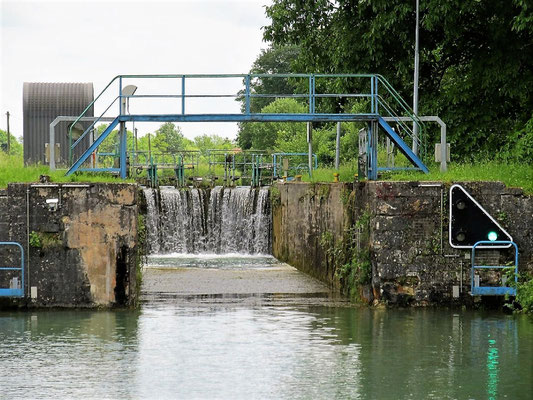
[
  {"x": 141, "y": 253},
  {"x": 12, "y": 169},
  {"x": 357, "y": 269},
  {"x": 350, "y": 257},
  {"x": 35, "y": 240},
  {"x": 524, "y": 293},
  {"x": 512, "y": 174},
  {"x": 44, "y": 240},
  {"x": 275, "y": 197}
]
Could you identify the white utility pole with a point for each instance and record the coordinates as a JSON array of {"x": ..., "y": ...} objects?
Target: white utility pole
[{"x": 415, "y": 84}]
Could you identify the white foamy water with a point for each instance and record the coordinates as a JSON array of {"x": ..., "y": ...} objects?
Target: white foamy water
[{"x": 208, "y": 221}]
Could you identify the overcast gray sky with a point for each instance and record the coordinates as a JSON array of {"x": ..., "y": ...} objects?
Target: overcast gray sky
[{"x": 93, "y": 41}]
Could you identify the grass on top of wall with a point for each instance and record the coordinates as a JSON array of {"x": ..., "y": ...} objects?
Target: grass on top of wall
[
  {"x": 12, "y": 170},
  {"x": 512, "y": 174}
]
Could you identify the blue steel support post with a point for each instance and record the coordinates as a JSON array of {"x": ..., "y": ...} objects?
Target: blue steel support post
[
  {"x": 93, "y": 147},
  {"x": 247, "y": 95},
  {"x": 372, "y": 152},
  {"x": 402, "y": 146},
  {"x": 123, "y": 150},
  {"x": 120, "y": 96}
]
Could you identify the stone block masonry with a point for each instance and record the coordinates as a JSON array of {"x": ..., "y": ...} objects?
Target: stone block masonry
[
  {"x": 405, "y": 235},
  {"x": 80, "y": 251}
]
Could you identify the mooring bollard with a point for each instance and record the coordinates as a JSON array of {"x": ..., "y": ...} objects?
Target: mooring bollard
[
  {"x": 298, "y": 178},
  {"x": 335, "y": 177}
]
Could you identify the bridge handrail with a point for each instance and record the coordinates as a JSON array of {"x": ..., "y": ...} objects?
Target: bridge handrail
[{"x": 248, "y": 94}]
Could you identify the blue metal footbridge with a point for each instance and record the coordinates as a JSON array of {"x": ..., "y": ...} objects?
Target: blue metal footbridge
[{"x": 372, "y": 91}]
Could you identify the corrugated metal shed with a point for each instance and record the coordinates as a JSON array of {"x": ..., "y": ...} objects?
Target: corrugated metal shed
[{"x": 42, "y": 103}]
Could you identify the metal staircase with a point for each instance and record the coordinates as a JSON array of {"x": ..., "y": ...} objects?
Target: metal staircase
[{"x": 378, "y": 96}]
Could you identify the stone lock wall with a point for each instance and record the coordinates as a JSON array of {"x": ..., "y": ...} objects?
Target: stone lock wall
[
  {"x": 84, "y": 253},
  {"x": 407, "y": 235},
  {"x": 302, "y": 215}
]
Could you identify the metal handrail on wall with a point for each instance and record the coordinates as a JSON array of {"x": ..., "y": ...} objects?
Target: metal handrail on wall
[
  {"x": 14, "y": 291},
  {"x": 477, "y": 290}
]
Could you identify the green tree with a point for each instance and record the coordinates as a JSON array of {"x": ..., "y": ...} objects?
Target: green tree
[
  {"x": 263, "y": 135},
  {"x": 476, "y": 68},
  {"x": 213, "y": 141},
  {"x": 273, "y": 60},
  {"x": 15, "y": 145},
  {"x": 168, "y": 138}
]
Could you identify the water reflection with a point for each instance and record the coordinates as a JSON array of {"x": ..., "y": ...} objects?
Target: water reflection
[
  {"x": 58, "y": 354},
  {"x": 184, "y": 349}
]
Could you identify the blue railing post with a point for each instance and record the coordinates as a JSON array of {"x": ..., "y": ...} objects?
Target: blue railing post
[
  {"x": 313, "y": 93},
  {"x": 247, "y": 95},
  {"x": 120, "y": 96},
  {"x": 310, "y": 94},
  {"x": 376, "y": 98},
  {"x": 123, "y": 149},
  {"x": 183, "y": 94}
]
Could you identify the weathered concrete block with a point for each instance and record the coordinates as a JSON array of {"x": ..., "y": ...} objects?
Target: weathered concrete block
[{"x": 85, "y": 252}]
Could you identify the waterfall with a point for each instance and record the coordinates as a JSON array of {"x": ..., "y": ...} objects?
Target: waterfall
[{"x": 219, "y": 220}]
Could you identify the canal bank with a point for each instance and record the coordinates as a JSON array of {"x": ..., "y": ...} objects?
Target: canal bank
[
  {"x": 376, "y": 242},
  {"x": 387, "y": 242}
]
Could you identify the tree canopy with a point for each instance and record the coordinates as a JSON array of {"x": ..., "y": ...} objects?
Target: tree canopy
[
  {"x": 273, "y": 60},
  {"x": 476, "y": 68}
]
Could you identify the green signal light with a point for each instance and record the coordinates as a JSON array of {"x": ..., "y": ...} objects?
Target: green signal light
[{"x": 492, "y": 236}]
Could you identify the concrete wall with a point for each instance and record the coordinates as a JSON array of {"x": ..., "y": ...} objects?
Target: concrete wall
[
  {"x": 407, "y": 238},
  {"x": 84, "y": 254},
  {"x": 302, "y": 214}
]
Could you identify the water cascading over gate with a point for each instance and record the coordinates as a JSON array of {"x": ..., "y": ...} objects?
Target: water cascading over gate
[{"x": 219, "y": 220}]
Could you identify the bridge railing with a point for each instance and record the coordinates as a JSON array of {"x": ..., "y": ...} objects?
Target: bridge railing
[{"x": 324, "y": 94}]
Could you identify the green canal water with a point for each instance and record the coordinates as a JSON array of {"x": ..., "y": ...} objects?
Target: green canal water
[{"x": 263, "y": 345}]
